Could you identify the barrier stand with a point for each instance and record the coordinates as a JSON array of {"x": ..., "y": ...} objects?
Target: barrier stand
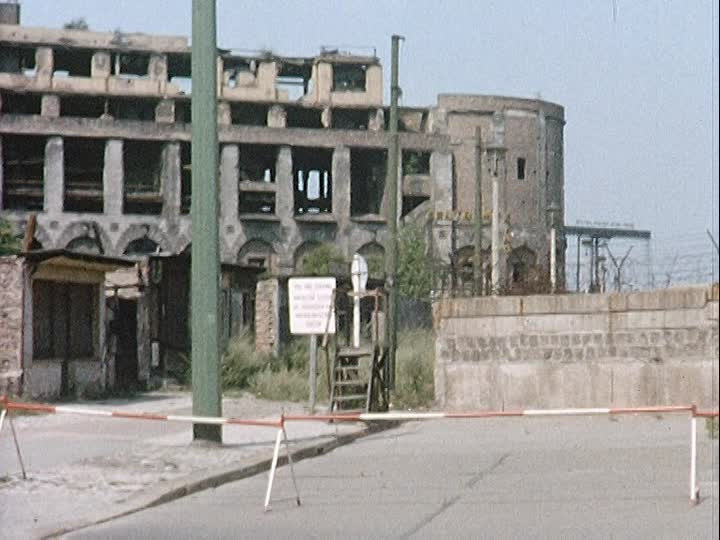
[
  {"x": 281, "y": 434},
  {"x": 6, "y": 408},
  {"x": 694, "y": 489}
]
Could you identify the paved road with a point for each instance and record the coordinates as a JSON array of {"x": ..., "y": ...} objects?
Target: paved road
[{"x": 501, "y": 478}]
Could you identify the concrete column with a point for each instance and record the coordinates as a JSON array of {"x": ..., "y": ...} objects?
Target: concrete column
[
  {"x": 224, "y": 116},
  {"x": 341, "y": 183},
  {"x": 54, "y": 174},
  {"x": 113, "y": 178},
  {"x": 170, "y": 179},
  {"x": 100, "y": 65},
  {"x": 50, "y": 105},
  {"x": 442, "y": 202},
  {"x": 44, "y": 64},
  {"x": 283, "y": 177},
  {"x": 277, "y": 117},
  {"x": 157, "y": 67},
  {"x": 165, "y": 111},
  {"x": 498, "y": 257},
  {"x": 376, "y": 120},
  {"x": 229, "y": 174}
]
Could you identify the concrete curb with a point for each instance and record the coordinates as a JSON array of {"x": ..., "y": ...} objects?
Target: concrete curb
[{"x": 203, "y": 480}]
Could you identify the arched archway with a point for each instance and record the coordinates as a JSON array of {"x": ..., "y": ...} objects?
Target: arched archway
[
  {"x": 85, "y": 244},
  {"x": 464, "y": 266},
  {"x": 257, "y": 253},
  {"x": 141, "y": 246},
  {"x": 374, "y": 255},
  {"x": 521, "y": 266},
  {"x": 317, "y": 258}
]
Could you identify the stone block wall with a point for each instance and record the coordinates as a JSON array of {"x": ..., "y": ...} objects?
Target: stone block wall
[
  {"x": 11, "y": 324},
  {"x": 648, "y": 348},
  {"x": 267, "y": 298}
]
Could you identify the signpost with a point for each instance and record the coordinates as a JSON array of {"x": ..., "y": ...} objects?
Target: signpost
[
  {"x": 311, "y": 313},
  {"x": 359, "y": 276}
]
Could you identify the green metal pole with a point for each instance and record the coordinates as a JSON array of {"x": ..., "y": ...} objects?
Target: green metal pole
[
  {"x": 392, "y": 209},
  {"x": 477, "y": 258},
  {"x": 205, "y": 270}
]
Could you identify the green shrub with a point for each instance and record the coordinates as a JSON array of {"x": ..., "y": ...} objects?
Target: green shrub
[
  {"x": 711, "y": 426},
  {"x": 9, "y": 245},
  {"x": 322, "y": 260},
  {"x": 241, "y": 362},
  {"x": 414, "y": 383}
]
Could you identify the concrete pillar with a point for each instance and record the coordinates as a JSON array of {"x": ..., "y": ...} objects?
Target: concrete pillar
[
  {"x": 442, "y": 202},
  {"x": 157, "y": 67},
  {"x": 170, "y": 179},
  {"x": 44, "y": 63},
  {"x": 284, "y": 202},
  {"x": 229, "y": 192},
  {"x": 50, "y": 105},
  {"x": 323, "y": 84},
  {"x": 54, "y": 174},
  {"x": 100, "y": 65},
  {"x": 376, "y": 120},
  {"x": 498, "y": 257},
  {"x": 326, "y": 117},
  {"x": 165, "y": 111},
  {"x": 113, "y": 178},
  {"x": 277, "y": 117},
  {"x": 341, "y": 183},
  {"x": 224, "y": 117},
  {"x": 373, "y": 84}
]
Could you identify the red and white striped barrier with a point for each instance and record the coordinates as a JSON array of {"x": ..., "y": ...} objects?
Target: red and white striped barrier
[{"x": 367, "y": 417}]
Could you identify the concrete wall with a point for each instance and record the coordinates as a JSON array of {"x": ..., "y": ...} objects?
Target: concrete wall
[
  {"x": 11, "y": 324},
  {"x": 630, "y": 349}
]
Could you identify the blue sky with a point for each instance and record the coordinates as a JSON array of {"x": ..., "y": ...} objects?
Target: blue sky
[{"x": 638, "y": 80}]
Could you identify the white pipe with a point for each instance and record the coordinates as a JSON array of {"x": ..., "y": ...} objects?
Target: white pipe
[
  {"x": 2, "y": 418},
  {"x": 564, "y": 412},
  {"x": 553, "y": 260},
  {"x": 273, "y": 466},
  {"x": 693, "y": 461}
]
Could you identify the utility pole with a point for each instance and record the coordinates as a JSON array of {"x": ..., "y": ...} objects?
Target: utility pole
[
  {"x": 392, "y": 209},
  {"x": 477, "y": 262},
  {"x": 205, "y": 266}
]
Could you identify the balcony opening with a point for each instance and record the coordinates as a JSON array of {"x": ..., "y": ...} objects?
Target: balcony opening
[
  {"x": 248, "y": 114},
  {"x": 257, "y": 163},
  {"x": 84, "y": 161},
  {"x": 312, "y": 180},
  {"x": 415, "y": 162},
  {"x": 142, "y": 163},
  {"x": 257, "y": 202},
  {"x": 178, "y": 67},
  {"x": 82, "y": 106},
  {"x": 23, "y": 163},
  {"x": 14, "y": 103},
  {"x": 368, "y": 169},
  {"x": 130, "y": 66},
  {"x": 350, "y": 118},
  {"x": 303, "y": 117},
  {"x": 183, "y": 112},
  {"x": 72, "y": 62}
]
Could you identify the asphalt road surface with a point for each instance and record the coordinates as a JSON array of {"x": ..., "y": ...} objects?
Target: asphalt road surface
[{"x": 576, "y": 477}]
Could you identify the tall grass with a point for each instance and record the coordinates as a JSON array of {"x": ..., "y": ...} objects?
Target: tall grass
[{"x": 286, "y": 377}]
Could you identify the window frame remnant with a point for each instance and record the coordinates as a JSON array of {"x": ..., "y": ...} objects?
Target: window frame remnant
[
  {"x": 312, "y": 166},
  {"x": 23, "y": 176},
  {"x": 368, "y": 171},
  {"x": 84, "y": 163}
]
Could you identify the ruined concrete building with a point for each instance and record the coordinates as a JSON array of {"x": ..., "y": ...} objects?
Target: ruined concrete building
[{"x": 95, "y": 139}]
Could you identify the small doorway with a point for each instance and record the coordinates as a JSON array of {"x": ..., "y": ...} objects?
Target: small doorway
[{"x": 126, "y": 360}]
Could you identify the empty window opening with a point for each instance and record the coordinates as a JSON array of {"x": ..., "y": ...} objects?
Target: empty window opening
[
  {"x": 183, "y": 112},
  {"x": 521, "y": 168},
  {"x": 257, "y": 202},
  {"x": 239, "y": 72},
  {"x": 23, "y": 158},
  {"x": 64, "y": 315},
  {"x": 84, "y": 160},
  {"x": 257, "y": 163},
  {"x": 312, "y": 181},
  {"x": 350, "y": 118},
  {"x": 349, "y": 77},
  {"x": 248, "y": 114},
  {"x": 72, "y": 62},
  {"x": 178, "y": 67},
  {"x": 185, "y": 177},
  {"x": 82, "y": 106},
  {"x": 256, "y": 253},
  {"x": 415, "y": 162},
  {"x": 130, "y": 66},
  {"x": 295, "y": 86},
  {"x": 367, "y": 181},
  {"x": 303, "y": 117},
  {"x": 411, "y": 202},
  {"x": 17, "y": 60},
  {"x": 133, "y": 109},
  {"x": 142, "y": 163},
  {"x": 13, "y": 103},
  {"x": 141, "y": 246}
]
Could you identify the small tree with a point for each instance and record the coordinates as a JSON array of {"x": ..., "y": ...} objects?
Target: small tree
[
  {"x": 9, "y": 245},
  {"x": 76, "y": 24},
  {"x": 414, "y": 266},
  {"x": 322, "y": 260}
]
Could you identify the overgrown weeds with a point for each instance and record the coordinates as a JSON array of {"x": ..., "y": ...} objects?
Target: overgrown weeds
[
  {"x": 286, "y": 377},
  {"x": 711, "y": 426}
]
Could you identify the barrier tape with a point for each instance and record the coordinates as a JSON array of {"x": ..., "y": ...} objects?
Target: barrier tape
[{"x": 279, "y": 424}]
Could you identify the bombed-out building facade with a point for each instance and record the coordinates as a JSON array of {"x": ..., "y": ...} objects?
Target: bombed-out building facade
[{"x": 95, "y": 141}]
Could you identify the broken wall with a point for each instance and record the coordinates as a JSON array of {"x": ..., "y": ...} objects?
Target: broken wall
[{"x": 11, "y": 325}]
